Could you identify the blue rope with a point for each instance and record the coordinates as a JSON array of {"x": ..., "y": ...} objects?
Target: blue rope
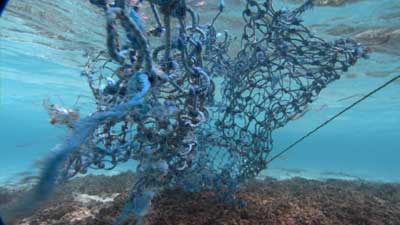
[{"x": 82, "y": 130}]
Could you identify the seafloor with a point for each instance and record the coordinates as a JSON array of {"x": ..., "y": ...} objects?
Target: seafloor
[{"x": 97, "y": 200}]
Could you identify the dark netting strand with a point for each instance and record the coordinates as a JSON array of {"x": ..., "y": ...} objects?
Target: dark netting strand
[{"x": 192, "y": 115}]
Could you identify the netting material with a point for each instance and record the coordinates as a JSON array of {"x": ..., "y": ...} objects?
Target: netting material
[
  {"x": 190, "y": 114},
  {"x": 280, "y": 70}
]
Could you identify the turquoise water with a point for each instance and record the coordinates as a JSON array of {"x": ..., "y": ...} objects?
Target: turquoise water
[{"x": 42, "y": 48}]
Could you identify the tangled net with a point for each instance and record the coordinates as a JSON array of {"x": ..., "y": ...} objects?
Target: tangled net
[{"x": 188, "y": 112}]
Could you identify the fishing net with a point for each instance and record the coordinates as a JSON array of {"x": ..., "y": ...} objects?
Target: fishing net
[{"x": 190, "y": 113}]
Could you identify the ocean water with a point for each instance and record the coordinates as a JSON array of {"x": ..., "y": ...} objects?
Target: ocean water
[{"x": 43, "y": 45}]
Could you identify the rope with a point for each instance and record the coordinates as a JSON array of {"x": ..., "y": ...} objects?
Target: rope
[{"x": 332, "y": 118}]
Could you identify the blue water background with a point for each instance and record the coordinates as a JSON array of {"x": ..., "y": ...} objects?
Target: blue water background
[{"x": 41, "y": 56}]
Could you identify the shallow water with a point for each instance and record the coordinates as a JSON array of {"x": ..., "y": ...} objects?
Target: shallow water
[{"x": 42, "y": 48}]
